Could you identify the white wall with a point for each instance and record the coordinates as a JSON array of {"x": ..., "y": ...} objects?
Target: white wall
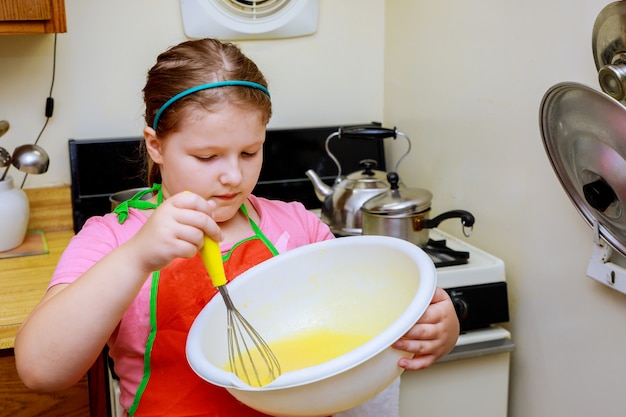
[
  {"x": 332, "y": 77},
  {"x": 465, "y": 80}
]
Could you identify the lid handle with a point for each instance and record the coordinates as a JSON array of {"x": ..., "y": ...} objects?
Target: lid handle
[
  {"x": 394, "y": 180},
  {"x": 368, "y": 166},
  {"x": 599, "y": 194}
]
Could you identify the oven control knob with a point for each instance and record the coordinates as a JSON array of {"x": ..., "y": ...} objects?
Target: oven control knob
[{"x": 460, "y": 306}]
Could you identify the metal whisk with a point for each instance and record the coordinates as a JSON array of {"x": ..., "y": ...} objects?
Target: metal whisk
[{"x": 249, "y": 356}]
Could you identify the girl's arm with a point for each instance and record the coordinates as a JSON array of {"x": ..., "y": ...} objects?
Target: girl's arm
[{"x": 65, "y": 333}]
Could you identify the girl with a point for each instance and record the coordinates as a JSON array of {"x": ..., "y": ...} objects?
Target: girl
[{"x": 133, "y": 280}]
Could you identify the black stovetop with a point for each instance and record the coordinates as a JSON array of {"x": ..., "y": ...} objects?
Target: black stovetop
[{"x": 442, "y": 255}]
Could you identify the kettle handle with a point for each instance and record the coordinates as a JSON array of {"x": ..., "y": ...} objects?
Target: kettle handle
[
  {"x": 367, "y": 132},
  {"x": 357, "y": 132}
]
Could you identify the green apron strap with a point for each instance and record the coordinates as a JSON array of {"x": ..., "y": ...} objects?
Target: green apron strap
[
  {"x": 259, "y": 233},
  {"x": 137, "y": 202}
]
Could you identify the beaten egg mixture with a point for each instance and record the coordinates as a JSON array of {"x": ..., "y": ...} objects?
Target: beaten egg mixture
[{"x": 303, "y": 350}]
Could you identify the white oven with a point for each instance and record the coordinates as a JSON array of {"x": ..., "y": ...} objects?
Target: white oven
[{"x": 473, "y": 379}]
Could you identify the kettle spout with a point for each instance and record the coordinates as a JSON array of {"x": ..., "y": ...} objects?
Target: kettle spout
[{"x": 322, "y": 191}]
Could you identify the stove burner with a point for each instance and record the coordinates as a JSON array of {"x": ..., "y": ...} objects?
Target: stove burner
[
  {"x": 439, "y": 252},
  {"x": 443, "y": 256}
]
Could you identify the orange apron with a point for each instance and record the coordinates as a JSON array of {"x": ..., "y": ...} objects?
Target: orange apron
[{"x": 169, "y": 386}]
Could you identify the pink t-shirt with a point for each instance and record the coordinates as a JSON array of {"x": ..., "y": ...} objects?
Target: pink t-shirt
[{"x": 286, "y": 225}]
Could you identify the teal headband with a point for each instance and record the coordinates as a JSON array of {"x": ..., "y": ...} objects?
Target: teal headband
[{"x": 206, "y": 87}]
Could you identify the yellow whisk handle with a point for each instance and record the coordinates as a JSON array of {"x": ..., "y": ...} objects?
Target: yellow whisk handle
[{"x": 212, "y": 258}]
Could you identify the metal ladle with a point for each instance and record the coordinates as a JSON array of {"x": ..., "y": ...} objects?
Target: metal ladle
[
  {"x": 4, "y": 127},
  {"x": 31, "y": 159},
  {"x": 5, "y": 158}
]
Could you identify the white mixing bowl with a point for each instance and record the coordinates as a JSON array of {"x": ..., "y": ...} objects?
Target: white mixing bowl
[{"x": 360, "y": 285}]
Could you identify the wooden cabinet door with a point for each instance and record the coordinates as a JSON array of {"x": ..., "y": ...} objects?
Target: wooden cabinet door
[
  {"x": 18, "y": 401},
  {"x": 32, "y": 16}
]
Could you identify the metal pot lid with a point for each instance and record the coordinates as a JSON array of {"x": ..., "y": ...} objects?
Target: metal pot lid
[
  {"x": 398, "y": 200},
  {"x": 584, "y": 134}
]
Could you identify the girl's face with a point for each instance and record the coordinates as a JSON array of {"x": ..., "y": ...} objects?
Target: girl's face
[{"x": 217, "y": 155}]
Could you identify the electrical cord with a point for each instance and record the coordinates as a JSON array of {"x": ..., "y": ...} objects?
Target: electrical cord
[{"x": 49, "y": 101}]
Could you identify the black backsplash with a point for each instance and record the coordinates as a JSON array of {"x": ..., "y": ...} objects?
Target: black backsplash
[{"x": 101, "y": 167}]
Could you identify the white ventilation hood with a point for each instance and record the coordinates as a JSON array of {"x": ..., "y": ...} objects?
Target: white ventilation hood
[{"x": 239, "y": 20}]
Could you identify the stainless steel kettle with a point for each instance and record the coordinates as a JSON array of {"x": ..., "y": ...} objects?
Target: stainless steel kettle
[{"x": 341, "y": 203}]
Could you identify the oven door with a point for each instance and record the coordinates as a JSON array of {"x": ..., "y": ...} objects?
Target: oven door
[{"x": 472, "y": 380}]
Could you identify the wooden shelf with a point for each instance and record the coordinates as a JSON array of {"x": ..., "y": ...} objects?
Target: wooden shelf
[{"x": 32, "y": 16}]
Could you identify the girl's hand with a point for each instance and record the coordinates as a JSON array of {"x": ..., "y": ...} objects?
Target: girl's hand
[
  {"x": 176, "y": 229},
  {"x": 433, "y": 336}
]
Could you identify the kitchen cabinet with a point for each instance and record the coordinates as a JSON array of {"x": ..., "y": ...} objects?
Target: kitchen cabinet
[
  {"x": 32, "y": 16},
  {"x": 18, "y": 401},
  {"x": 23, "y": 281}
]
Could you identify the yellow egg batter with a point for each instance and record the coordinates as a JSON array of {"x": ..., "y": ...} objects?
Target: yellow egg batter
[{"x": 302, "y": 350}]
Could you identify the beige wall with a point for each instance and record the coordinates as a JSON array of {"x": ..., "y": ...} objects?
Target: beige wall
[
  {"x": 465, "y": 80},
  {"x": 332, "y": 77}
]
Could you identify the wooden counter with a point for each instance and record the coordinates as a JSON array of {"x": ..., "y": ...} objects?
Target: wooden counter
[
  {"x": 23, "y": 282},
  {"x": 24, "y": 279}
]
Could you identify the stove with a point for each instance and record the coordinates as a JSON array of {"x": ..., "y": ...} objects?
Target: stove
[
  {"x": 477, "y": 288},
  {"x": 474, "y": 376},
  {"x": 474, "y": 279}
]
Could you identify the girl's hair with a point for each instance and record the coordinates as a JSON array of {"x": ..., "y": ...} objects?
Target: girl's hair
[{"x": 194, "y": 63}]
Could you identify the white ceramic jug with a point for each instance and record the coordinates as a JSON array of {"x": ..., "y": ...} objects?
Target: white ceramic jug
[{"x": 14, "y": 215}]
